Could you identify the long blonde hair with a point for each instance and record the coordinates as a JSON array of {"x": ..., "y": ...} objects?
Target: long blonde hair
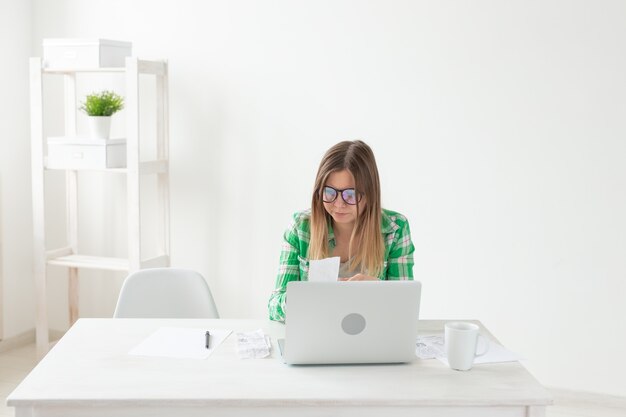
[{"x": 356, "y": 157}]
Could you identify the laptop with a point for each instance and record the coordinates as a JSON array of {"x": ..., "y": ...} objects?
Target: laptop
[{"x": 350, "y": 322}]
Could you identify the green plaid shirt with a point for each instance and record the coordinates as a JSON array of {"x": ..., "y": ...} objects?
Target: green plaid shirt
[{"x": 294, "y": 256}]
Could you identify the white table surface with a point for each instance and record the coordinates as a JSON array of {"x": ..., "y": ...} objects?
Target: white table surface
[{"x": 89, "y": 372}]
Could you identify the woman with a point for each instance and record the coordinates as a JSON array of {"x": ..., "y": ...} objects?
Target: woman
[{"x": 345, "y": 220}]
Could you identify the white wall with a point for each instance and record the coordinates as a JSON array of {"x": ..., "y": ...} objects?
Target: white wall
[
  {"x": 17, "y": 300},
  {"x": 498, "y": 128}
]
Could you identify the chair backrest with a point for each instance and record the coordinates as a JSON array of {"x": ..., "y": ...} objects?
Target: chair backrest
[{"x": 165, "y": 293}]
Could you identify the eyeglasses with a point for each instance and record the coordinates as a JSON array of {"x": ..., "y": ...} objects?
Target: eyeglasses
[{"x": 349, "y": 195}]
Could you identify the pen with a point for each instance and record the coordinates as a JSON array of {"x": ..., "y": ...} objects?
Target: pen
[{"x": 207, "y": 335}]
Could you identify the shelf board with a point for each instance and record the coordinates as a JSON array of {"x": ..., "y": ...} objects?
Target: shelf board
[
  {"x": 113, "y": 170},
  {"x": 74, "y": 70},
  {"x": 160, "y": 166},
  {"x": 151, "y": 67},
  {"x": 91, "y": 262},
  {"x": 143, "y": 67}
]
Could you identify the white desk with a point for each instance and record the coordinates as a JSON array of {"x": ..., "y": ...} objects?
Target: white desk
[{"x": 89, "y": 373}]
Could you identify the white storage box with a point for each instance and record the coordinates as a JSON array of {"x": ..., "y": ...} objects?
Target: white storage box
[
  {"x": 86, "y": 153},
  {"x": 85, "y": 53}
]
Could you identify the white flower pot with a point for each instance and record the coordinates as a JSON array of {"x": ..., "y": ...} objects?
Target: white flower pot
[{"x": 100, "y": 126}]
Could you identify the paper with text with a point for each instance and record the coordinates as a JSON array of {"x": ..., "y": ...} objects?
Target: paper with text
[
  {"x": 433, "y": 346},
  {"x": 253, "y": 345},
  {"x": 324, "y": 270},
  {"x": 179, "y": 342}
]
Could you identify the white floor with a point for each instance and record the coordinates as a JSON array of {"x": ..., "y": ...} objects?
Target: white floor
[{"x": 16, "y": 364}]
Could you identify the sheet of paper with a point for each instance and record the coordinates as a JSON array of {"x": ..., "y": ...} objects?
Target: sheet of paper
[
  {"x": 179, "y": 342},
  {"x": 324, "y": 270},
  {"x": 432, "y": 346},
  {"x": 253, "y": 345}
]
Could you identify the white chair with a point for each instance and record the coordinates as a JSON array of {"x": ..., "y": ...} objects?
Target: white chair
[{"x": 165, "y": 293}]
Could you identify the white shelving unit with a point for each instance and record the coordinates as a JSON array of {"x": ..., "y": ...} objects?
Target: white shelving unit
[
  {"x": 1, "y": 267},
  {"x": 68, "y": 255}
]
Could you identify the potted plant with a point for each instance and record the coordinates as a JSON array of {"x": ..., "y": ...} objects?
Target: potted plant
[{"x": 100, "y": 107}]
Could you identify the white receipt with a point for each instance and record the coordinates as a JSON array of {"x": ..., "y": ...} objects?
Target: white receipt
[
  {"x": 324, "y": 270},
  {"x": 430, "y": 347},
  {"x": 253, "y": 345}
]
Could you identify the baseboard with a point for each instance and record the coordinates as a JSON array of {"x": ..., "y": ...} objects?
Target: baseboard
[
  {"x": 26, "y": 338},
  {"x": 573, "y": 397}
]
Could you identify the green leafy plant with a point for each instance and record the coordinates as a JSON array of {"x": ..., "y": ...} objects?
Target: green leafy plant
[{"x": 104, "y": 103}]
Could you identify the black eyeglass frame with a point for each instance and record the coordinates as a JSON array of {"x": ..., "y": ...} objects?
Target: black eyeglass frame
[{"x": 358, "y": 195}]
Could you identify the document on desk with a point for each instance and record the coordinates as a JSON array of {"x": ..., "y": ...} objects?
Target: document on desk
[
  {"x": 253, "y": 345},
  {"x": 432, "y": 346},
  {"x": 324, "y": 270},
  {"x": 181, "y": 342}
]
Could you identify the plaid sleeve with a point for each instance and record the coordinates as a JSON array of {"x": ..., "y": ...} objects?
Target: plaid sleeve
[
  {"x": 400, "y": 260},
  {"x": 287, "y": 271}
]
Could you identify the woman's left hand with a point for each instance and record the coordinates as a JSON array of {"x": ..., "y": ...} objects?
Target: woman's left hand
[{"x": 359, "y": 277}]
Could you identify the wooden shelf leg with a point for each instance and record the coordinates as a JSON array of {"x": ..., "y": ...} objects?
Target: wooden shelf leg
[
  {"x": 41, "y": 327},
  {"x": 72, "y": 289},
  {"x": 163, "y": 185},
  {"x": 132, "y": 165},
  {"x": 39, "y": 235}
]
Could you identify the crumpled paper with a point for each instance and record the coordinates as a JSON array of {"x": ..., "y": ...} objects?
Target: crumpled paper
[{"x": 253, "y": 345}]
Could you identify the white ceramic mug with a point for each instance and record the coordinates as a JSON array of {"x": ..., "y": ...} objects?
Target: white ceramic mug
[{"x": 461, "y": 341}]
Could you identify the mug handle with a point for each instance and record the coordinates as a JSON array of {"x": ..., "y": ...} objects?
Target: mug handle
[{"x": 486, "y": 346}]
